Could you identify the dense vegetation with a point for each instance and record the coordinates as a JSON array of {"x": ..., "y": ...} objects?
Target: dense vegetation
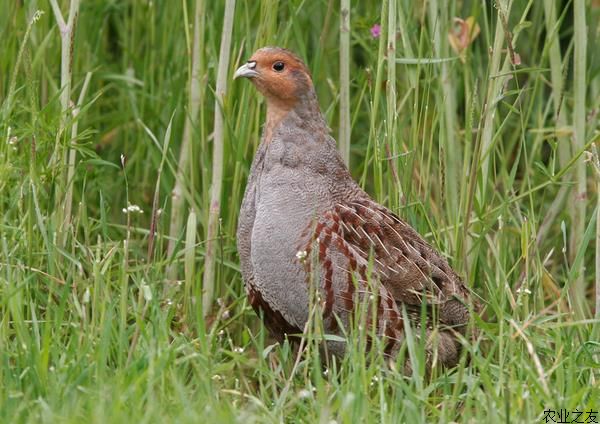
[{"x": 120, "y": 296}]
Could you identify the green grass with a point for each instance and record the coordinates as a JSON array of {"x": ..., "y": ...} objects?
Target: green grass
[{"x": 476, "y": 152}]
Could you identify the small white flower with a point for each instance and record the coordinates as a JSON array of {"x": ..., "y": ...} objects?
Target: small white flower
[
  {"x": 123, "y": 160},
  {"x": 522, "y": 290},
  {"x": 13, "y": 140},
  {"x": 226, "y": 314},
  {"x": 146, "y": 292},
  {"x": 238, "y": 349},
  {"x": 304, "y": 394},
  {"x": 301, "y": 255},
  {"x": 86, "y": 295},
  {"x": 37, "y": 15},
  {"x": 132, "y": 209}
]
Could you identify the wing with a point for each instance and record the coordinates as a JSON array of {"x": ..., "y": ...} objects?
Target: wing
[{"x": 364, "y": 246}]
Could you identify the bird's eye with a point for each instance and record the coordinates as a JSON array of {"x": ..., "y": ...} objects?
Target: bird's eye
[{"x": 278, "y": 66}]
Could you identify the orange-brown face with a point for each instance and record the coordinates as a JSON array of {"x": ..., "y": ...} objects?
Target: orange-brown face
[{"x": 278, "y": 74}]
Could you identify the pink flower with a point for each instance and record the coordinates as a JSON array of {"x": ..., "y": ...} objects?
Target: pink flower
[{"x": 376, "y": 31}]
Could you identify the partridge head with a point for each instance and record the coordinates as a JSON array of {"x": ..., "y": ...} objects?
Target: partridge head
[
  {"x": 285, "y": 82},
  {"x": 278, "y": 74},
  {"x": 305, "y": 227}
]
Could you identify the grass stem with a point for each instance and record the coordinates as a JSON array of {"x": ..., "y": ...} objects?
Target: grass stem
[
  {"x": 67, "y": 35},
  {"x": 345, "y": 127},
  {"x": 191, "y": 120},
  {"x": 578, "y": 225},
  {"x": 208, "y": 281}
]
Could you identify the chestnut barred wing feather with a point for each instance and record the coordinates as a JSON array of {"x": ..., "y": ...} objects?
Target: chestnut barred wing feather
[
  {"x": 362, "y": 239},
  {"x": 342, "y": 271}
]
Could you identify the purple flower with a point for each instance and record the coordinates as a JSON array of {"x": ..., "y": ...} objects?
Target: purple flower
[{"x": 376, "y": 31}]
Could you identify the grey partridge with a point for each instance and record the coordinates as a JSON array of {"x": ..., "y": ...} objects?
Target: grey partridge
[{"x": 304, "y": 222}]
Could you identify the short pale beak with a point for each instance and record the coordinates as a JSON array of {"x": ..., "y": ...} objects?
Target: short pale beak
[{"x": 246, "y": 70}]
